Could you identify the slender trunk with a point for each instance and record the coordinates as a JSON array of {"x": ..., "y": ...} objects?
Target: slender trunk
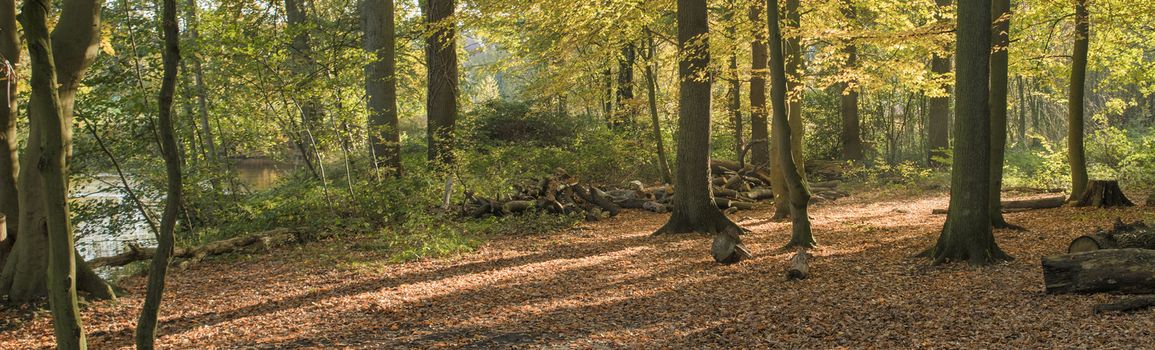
[
  {"x": 206, "y": 131},
  {"x": 652, "y": 96},
  {"x": 801, "y": 235},
  {"x": 45, "y": 107},
  {"x": 9, "y": 143},
  {"x": 759, "y": 128},
  {"x": 626, "y": 85},
  {"x": 793, "y": 68},
  {"x": 967, "y": 234},
  {"x": 441, "y": 60},
  {"x": 734, "y": 91},
  {"x": 303, "y": 68},
  {"x": 851, "y": 134},
  {"x": 1021, "y": 103},
  {"x": 381, "y": 84},
  {"x": 1075, "y": 152},
  {"x": 939, "y": 106},
  {"x": 147, "y": 323},
  {"x": 1001, "y": 12}
]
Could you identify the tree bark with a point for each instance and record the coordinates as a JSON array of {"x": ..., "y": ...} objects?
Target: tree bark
[
  {"x": 45, "y": 107},
  {"x": 694, "y": 209},
  {"x": 938, "y": 108},
  {"x": 625, "y": 93},
  {"x": 441, "y": 91},
  {"x": 9, "y": 143},
  {"x": 1124, "y": 271},
  {"x": 851, "y": 133},
  {"x": 793, "y": 70},
  {"x": 377, "y": 22},
  {"x": 1001, "y": 13},
  {"x": 303, "y": 68},
  {"x": 799, "y": 194},
  {"x": 967, "y": 234},
  {"x": 147, "y": 323},
  {"x": 759, "y": 127},
  {"x": 652, "y": 97},
  {"x": 1075, "y": 152},
  {"x": 206, "y": 129}
]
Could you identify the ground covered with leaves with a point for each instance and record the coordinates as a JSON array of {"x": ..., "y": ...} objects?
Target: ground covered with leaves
[{"x": 610, "y": 285}]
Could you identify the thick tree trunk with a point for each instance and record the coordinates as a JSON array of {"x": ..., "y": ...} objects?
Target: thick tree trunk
[
  {"x": 967, "y": 234},
  {"x": 799, "y": 194},
  {"x": 146, "y": 325},
  {"x": 441, "y": 92},
  {"x": 1001, "y": 13},
  {"x": 625, "y": 94},
  {"x": 1125, "y": 271},
  {"x": 851, "y": 133},
  {"x": 1075, "y": 152},
  {"x": 9, "y": 143},
  {"x": 45, "y": 107},
  {"x": 1103, "y": 194},
  {"x": 938, "y": 121},
  {"x": 759, "y": 127},
  {"x": 694, "y": 209},
  {"x": 652, "y": 97},
  {"x": 381, "y": 84}
]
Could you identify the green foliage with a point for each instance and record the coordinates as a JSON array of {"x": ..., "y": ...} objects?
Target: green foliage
[{"x": 507, "y": 122}]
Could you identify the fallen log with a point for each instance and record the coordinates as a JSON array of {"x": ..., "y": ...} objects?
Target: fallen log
[
  {"x": 257, "y": 242},
  {"x": 1123, "y": 235},
  {"x": 759, "y": 194},
  {"x": 727, "y": 247},
  {"x": 1125, "y": 271},
  {"x": 1103, "y": 194},
  {"x": 720, "y": 167},
  {"x": 1010, "y": 206},
  {"x": 799, "y": 265},
  {"x": 1130, "y": 304}
]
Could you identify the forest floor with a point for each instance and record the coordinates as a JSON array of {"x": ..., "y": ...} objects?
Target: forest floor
[{"x": 610, "y": 285}]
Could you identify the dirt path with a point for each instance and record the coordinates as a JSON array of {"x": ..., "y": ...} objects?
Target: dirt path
[{"x": 610, "y": 285}]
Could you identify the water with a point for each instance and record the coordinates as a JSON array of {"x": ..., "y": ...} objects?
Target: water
[{"x": 255, "y": 174}]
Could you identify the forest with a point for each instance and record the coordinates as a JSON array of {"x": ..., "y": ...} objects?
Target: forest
[{"x": 557, "y": 174}]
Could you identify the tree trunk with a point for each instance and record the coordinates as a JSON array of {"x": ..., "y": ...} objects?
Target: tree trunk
[
  {"x": 851, "y": 134},
  {"x": 1103, "y": 194},
  {"x": 303, "y": 69},
  {"x": 694, "y": 209},
  {"x": 967, "y": 234},
  {"x": 45, "y": 107},
  {"x": 147, "y": 323},
  {"x": 381, "y": 84},
  {"x": 206, "y": 129},
  {"x": 793, "y": 70},
  {"x": 1075, "y": 153},
  {"x": 625, "y": 94},
  {"x": 441, "y": 92},
  {"x": 938, "y": 124},
  {"x": 1001, "y": 13},
  {"x": 799, "y": 197},
  {"x": 1124, "y": 271},
  {"x": 1021, "y": 103},
  {"x": 652, "y": 97},
  {"x": 759, "y": 128},
  {"x": 9, "y": 143},
  {"x": 735, "y": 108},
  {"x": 74, "y": 46}
]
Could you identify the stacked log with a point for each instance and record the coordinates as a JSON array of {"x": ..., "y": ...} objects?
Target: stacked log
[{"x": 1122, "y": 235}]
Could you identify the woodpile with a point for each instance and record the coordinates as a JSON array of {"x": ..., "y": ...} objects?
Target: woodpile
[
  {"x": 1122, "y": 235},
  {"x": 1121, "y": 261},
  {"x": 736, "y": 187}
]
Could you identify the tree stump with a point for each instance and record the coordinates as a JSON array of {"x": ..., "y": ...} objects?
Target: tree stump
[
  {"x": 1103, "y": 194},
  {"x": 799, "y": 265},
  {"x": 1133, "y": 235},
  {"x": 1125, "y": 271}
]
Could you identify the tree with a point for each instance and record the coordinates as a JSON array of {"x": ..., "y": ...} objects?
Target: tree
[
  {"x": 693, "y": 205},
  {"x": 793, "y": 69},
  {"x": 799, "y": 195},
  {"x": 967, "y": 234},
  {"x": 9, "y": 144},
  {"x": 999, "y": 90},
  {"x": 625, "y": 94},
  {"x": 303, "y": 67},
  {"x": 206, "y": 129},
  {"x": 759, "y": 128},
  {"x": 381, "y": 84},
  {"x": 75, "y": 42},
  {"x": 938, "y": 108},
  {"x": 652, "y": 97},
  {"x": 1075, "y": 152},
  {"x": 46, "y": 108},
  {"x": 441, "y": 92},
  {"x": 851, "y": 132}
]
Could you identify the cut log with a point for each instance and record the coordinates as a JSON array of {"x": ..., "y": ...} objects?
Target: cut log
[
  {"x": 1130, "y": 304},
  {"x": 1122, "y": 235},
  {"x": 1125, "y": 271},
  {"x": 759, "y": 194},
  {"x": 719, "y": 167},
  {"x": 1010, "y": 206},
  {"x": 257, "y": 242},
  {"x": 514, "y": 207},
  {"x": 656, "y": 207},
  {"x": 1092, "y": 242},
  {"x": 727, "y": 247},
  {"x": 1103, "y": 194},
  {"x": 799, "y": 265}
]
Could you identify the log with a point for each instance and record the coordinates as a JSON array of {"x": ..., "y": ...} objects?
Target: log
[
  {"x": 1092, "y": 242},
  {"x": 719, "y": 167},
  {"x": 257, "y": 242},
  {"x": 600, "y": 199},
  {"x": 1130, "y": 304},
  {"x": 727, "y": 247},
  {"x": 1103, "y": 194},
  {"x": 799, "y": 265},
  {"x": 514, "y": 207},
  {"x": 760, "y": 194},
  {"x": 1122, "y": 235},
  {"x": 1125, "y": 271},
  {"x": 1010, "y": 206},
  {"x": 656, "y": 207}
]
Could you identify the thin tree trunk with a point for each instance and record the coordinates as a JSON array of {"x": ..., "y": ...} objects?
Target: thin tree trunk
[
  {"x": 206, "y": 131},
  {"x": 1022, "y": 107},
  {"x": 801, "y": 235},
  {"x": 158, "y": 269},
  {"x": 381, "y": 84},
  {"x": 939, "y": 106},
  {"x": 1075, "y": 152},
  {"x": 793, "y": 68},
  {"x": 851, "y": 134},
  {"x": 45, "y": 108},
  {"x": 441, "y": 61},
  {"x": 9, "y": 143},
  {"x": 998, "y": 101},
  {"x": 626, "y": 85},
  {"x": 759, "y": 127},
  {"x": 652, "y": 96},
  {"x": 967, "y": 234}
]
